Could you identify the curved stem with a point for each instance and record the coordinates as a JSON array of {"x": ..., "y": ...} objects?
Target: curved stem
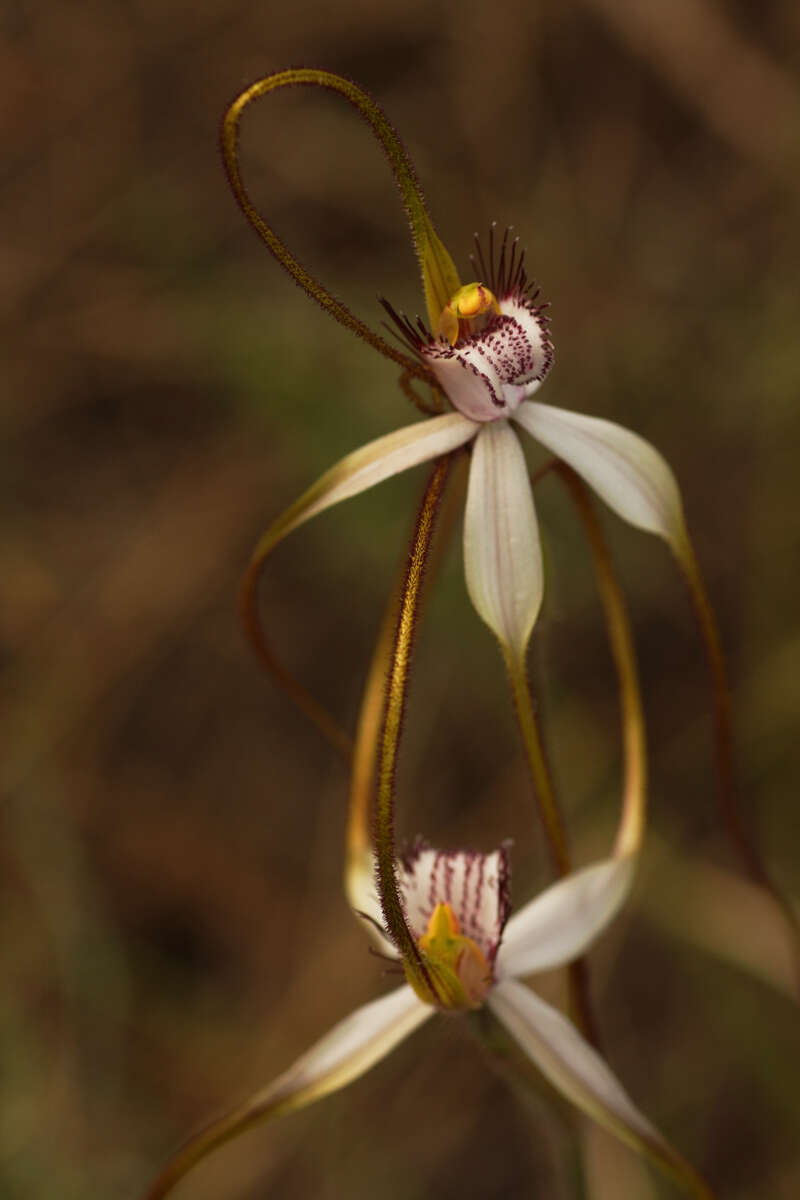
[
  {"x": 741, "y": 838},
  {"x": 329, "y": 727},
  {"x": 358, "y": 837},
  {"x": 577, "y": 971},
  {"x": 439, "y": 275},
  {"x": 430, "y": 408},
  {"x": 352, "y": 475},
  {"x": 723, "y": 735},
  {"x": 632, "y": 818},
  {"x": 534, "y": 753},
  {"x": 334, "y": 733},
  {"x": 394, "y": 712}
]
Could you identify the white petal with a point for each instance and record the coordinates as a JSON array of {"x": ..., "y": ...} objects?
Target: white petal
[
  {"x": 560, "y": 923},
  {"x": 502, "y": 554},
  {"x": 572, "y": 1066},
  {"x": 371, "y": 464},
  {"x": 351, "y": 1048},
  {"x": 476, "y": 886},
  {"x": 625, "y": 470}
]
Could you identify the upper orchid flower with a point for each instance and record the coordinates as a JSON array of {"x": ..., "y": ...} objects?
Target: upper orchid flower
[
  {"x": 487, "y": 349},
  {"x": 490, "y": 356}
]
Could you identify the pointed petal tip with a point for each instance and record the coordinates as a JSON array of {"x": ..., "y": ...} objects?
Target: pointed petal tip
[
  {"x": 633, "y": 478},
  {"x": 561, "y": 923},
  {"x": 577, "y": 1071}
]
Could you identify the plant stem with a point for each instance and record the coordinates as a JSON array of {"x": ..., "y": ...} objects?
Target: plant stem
[
  {"x": 438, "y": 270},
  {"x": 577, "y": 972},
  {"x": 732, "y": 818},
  {"x": 396, "y": 695},
  {"x": 358, "y": 838},
  {"x": 334, "y": 733},
  {"x": 534, "y": 753},
  {"x": 632, "y": 821}
]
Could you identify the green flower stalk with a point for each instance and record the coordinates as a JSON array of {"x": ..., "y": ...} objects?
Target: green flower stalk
[{"x": 439, "y": 276}]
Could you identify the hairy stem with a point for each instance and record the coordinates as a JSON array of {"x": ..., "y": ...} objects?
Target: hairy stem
[
  {"x": 394, "y": 712},
  {"x": 358, "y": 838},
  {"x": 439, "y": 275},
  {"x": 632, "y": 820}
]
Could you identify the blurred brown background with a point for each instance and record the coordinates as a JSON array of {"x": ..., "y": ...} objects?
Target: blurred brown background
[{"x": 173, "y": 926}]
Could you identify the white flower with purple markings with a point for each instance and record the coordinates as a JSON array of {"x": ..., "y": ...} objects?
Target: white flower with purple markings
[{"x": 489, "y": 354}]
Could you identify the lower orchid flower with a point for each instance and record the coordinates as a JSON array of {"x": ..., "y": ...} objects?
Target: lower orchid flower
[
  {"x": 470, "y": 955},
  {"x": 444, "y": 919}
]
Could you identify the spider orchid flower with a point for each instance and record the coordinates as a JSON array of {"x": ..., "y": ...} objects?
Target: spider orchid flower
[
  {"x": 487, "y": 349},
  {"x": 457, "y": 905},
  {"x": 489, "y": 354}
]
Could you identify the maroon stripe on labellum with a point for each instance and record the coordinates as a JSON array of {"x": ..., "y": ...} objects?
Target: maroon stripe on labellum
[
  {"x": 475, "y": 885},
  {"x": 467, "y": 914},
  {"x": 478, "y": 892},
  {"x": 448, "y": 878}
]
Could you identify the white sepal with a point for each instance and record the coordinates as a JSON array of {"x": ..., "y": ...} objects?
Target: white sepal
[
  {"x": 572, "y": 1066},
  {"x": 371, "y": 464},
  {"x": 560, "y": 923},
  {"x": 625, "y": 470},
  {"x": 349, "y": 1049},
  {"x": 502, "y": 554}
]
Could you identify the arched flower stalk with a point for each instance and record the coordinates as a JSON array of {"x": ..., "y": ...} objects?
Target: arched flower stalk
[
  {"x": 444, "y": 918},
  {"x": 486, "y": 348}
]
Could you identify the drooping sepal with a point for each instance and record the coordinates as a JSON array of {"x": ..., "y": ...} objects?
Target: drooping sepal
[
  {"x": 349, "y": 1050},
  {"x": 624, "y": 469},
  {"x": 578, "y": 1072},
  {"x": 502, "y": 552}
]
